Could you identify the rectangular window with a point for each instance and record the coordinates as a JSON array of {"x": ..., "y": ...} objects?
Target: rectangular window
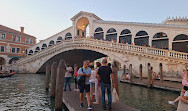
[
  {"x": 18, "y": 39},
  {"x": 13, "y": 50},
  {"x": 2, "y": 49},
  {"x": 31, "y": 41},
  {"x": 83, "y": 34},
  {"x": 18, "y": 50},
  {"x": 13, "y": 38},
  {"x": 27, "y": 40},
  {"x": 2, "y": 36}
]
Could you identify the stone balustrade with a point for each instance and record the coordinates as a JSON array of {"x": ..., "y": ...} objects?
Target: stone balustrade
[{"x": 118, "y": 47}]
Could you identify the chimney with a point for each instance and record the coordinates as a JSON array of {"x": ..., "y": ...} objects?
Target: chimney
[{"x": 22, "y": 29}]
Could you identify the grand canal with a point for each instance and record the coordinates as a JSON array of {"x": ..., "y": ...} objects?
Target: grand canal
[{"x": 27, "y": 92}]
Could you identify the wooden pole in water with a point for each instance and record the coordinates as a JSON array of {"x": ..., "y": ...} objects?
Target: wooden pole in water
[
  {"x": 130, "y": 73},
  {"x": 47, "y": 76},
  {"x": 59, "y": 85},
  {"x": 149, "y": 75},
  {"x": 161, "y": 72},
  {"x": 115, "y": 72},
  {"x": 53, "y": 79},
  {"x": 140, "y": 70}
]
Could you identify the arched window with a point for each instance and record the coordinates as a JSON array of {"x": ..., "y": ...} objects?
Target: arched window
[
  {"x": 68, "y": 36},
  {"x": 43, "y": 46},
  {"x": 111, "y": 35},
  {"x": 37, "y": 49},
  {"x": 180, "y": 43},
  {"x": 30, "y": 52},
  {"x": 51, "y": 43},
  {"x": 99, "y": 34},
  {"x": 59, "y": 39},
  {"x": 125, "y": 37},
  {"x": 142, "y": 38},
  {"x": 160, "y": 40}
]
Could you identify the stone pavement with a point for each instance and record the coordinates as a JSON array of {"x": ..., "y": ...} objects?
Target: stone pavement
[{"x": 72, "y": 102}]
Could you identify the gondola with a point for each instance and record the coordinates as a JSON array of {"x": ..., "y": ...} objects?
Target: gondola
[{"x": 7, "y": 75}]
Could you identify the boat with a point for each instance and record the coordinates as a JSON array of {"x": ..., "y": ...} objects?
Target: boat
[{"x": 7, "y": 75}]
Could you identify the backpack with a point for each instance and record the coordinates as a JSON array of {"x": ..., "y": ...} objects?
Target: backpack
[{"x": 81, "y": 79}]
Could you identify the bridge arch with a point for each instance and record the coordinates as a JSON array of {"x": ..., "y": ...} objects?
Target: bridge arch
[
  {"x": 99, "y": 33},
  {"x": 43, "y": 46},
  {"x": 91, "y": 54},
  {"x": 68, "y": 36},
  {"x": 2, "y": 61},
  {"x": 111, "y": 34},
  {"x": 160, "y": 40},
  {"x": 142, "y": 38},
  {"x": 51, "y": 43},
  {"x": 37, "y": 49},
  {"x": 180, "y": 41},
  {"x": 125, "y": 36},
  {"x": 59, "y": 39},
  {"x": 30, "y": 52},
  {"x": 82, "y": 26}
]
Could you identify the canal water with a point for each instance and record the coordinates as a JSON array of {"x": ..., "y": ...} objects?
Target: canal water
[{"x": 27, "y": 92}]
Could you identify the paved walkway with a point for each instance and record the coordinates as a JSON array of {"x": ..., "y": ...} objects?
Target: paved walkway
[
  {"x": 167, "y": 85},
  {"x": 72, "y": 101}
]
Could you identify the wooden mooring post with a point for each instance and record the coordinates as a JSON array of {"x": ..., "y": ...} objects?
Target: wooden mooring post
[
  {"x": 47, "y": 76},
  {"x": 161, "y": 72},
  {"x": 130, "y": 73},
  {"x": 53, "y": 79},
  {"x": 59, "y": 85},
  {"x": 149, "y": 75},
  {"x": 115, "y": 72}
]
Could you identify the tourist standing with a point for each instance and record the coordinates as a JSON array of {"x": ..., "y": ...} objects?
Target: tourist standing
[
  {"x": 75, "y": 78},
  {"x": 104, "y": 74},
  {"x": 92, "y": 81},
  {"x": 68, "y": 75},
  {"x": 85, "y": 71},
  {"x": 97, "y": 85}
]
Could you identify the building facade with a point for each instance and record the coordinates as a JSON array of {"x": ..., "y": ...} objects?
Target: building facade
[
  {"x": 13, "y": 44},
  {"x": 171, "y": 34}
]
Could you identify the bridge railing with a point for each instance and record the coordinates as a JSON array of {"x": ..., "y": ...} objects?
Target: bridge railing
[{"x": 126, "y": 47}]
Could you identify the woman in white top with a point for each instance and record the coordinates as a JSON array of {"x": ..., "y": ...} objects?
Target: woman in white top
[
  {"x": 97, "y": 86},
  {"x": 92, "y": 81},
  {"x": 68, "y": 75}
]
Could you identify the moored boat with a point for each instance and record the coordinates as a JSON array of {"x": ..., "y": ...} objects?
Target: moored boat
[{"x": 7, "y": 75}]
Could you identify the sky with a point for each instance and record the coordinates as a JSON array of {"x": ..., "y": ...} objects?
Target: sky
[{"x": 44, "y": 18}]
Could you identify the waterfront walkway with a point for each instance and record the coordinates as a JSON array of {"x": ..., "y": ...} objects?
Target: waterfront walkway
[
  {"x": 167, "y": 85},
  {"x": 72, "y": 101}
]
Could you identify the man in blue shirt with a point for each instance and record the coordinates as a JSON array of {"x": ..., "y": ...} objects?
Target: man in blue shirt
[{"x": 85, "y": 71}]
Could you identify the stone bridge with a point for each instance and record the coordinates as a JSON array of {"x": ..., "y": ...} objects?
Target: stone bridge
[{"x": 77, "y": 49}]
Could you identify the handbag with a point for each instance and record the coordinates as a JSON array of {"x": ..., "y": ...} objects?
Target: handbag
[
  {"x": 81, "y": 79},
  {"x": 115, "y": 97}
]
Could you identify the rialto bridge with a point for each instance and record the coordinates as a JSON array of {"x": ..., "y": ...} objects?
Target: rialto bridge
[{"x": 90, "y": 37}]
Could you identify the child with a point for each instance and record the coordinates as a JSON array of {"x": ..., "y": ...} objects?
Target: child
[{"x": 183, "y": 97}]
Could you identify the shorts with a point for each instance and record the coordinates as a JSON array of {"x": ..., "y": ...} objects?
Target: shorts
[
  {"x": 75, "y": 80},
  {"x": 85, "y": 87},
  {"x": 185, "y": 88}
]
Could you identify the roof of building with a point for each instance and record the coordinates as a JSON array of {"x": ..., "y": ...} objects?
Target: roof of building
[
  {"x": 86, "y": 13},
  {"x": 7, "y": 29},
  {"x": 142, "y": 24}
]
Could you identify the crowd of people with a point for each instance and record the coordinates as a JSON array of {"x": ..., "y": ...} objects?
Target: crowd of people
[{"x": 93, "y": 79}]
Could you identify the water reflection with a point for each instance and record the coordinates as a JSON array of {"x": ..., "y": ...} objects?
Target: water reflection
[
  {"x": 25, "y": 92},
  {"x": 146, "y": 99}
]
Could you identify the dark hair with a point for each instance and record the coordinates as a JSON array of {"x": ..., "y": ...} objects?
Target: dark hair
[
  {"x": 98, "y": 64},
  {"x": 109, "y": 64},
  {"x": 92, "y": 67},
  {"x": 185, "y": 88}
]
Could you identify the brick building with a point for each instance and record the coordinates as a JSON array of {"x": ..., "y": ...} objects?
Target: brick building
[{"x": 13, "y": 44}]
